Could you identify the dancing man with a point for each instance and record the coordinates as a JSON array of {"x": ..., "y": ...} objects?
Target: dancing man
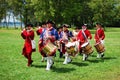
[{"x": 29, "y": 45}]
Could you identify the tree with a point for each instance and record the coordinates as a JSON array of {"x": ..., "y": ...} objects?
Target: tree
[
  {"x": 3, "y": 10},
  {"x": 103, "y": 10},
  {"x": 73, "y": 12}
]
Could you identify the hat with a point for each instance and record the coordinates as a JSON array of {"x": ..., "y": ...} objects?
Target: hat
[
  {"x": 29, "y": 25},
  {"x": 49, "y": 22},
  {"x": 65, "y": 25},
  {"x": 98, "y": 23},
  {"x": 85, "y": 24}
]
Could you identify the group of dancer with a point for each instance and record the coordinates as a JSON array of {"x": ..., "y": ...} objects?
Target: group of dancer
[{"x": 68, "y": 43}]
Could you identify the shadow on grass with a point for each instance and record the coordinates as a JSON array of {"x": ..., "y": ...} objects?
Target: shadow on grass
[
  {"x": 96, "y": 60},
  {"x": 109, "y": 58},
  {"x": 59, "y": 60},
  {"x": 62, "y": 70},
  {"x": 93, "y": 55},
  {"x": 101, "y": 59},
  {"x": 79, "y": 64},
  {"x": 38, "y": 66}
]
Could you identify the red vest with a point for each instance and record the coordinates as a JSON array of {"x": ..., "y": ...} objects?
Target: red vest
[
  {"x": 82, "y": 38},
  {"x": 99, "y": 34}
]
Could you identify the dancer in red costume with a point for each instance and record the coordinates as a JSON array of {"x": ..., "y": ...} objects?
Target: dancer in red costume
[{"x": 29, "y": 45}]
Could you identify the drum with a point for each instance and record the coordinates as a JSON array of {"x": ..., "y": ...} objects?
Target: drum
[
  {"x": 87, "y": 48},
  {"x": 49, "y": 49},
  {"x": 99, "y": 47},
  {"x": 71, "y": 48}
]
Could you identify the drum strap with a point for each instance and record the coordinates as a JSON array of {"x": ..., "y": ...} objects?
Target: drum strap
[
  {"x": 98, "y": 35},
  {"x": 42, "y": 35},
  {"x": 84, "y": 35}
]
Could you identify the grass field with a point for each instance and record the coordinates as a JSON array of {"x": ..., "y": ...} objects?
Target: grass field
[{"x": 13, "y": 64}]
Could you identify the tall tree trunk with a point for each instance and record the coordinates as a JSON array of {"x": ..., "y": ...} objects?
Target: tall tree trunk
[
  {"x": 21, "y": 21},
  {"x": 9, "y": 18},
  {"x": 6, "y": 21},
  {"x": 14, "y": 21}
]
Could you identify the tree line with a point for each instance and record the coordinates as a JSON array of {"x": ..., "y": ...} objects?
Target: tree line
[{"x": 72, "y": 12}]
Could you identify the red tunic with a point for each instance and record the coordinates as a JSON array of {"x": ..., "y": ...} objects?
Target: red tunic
[
  {"x": 39, "y": 31},
  {"x": 99, "y": 35},
  {"x": 28, "y": 36},
  {"x": 82, "y": 38}
]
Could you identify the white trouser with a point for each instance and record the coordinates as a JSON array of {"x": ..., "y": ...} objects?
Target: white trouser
[
  {"x": 49, "y": 62},
  {"x": 99, "y": 55},
  {"x": 67, "y": 58},
  {"x": 84, "y": 56}
]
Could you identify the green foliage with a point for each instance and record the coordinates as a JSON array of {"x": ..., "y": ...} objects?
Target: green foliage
[
  {"x": 3, "y": 9},
  {"x": 73, "y": 12},
  {"x": 104, "y": 10},
  {"x": 13, "y": 64}
]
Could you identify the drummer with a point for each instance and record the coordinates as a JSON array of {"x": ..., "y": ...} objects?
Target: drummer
[
  {"x": 65, "y": 36},
  {"x": 84, "y": 36},
  {"x": 49, "y": 34},
  {"x": 99, "y": 37},
  {"x": 40, "y": 28}
]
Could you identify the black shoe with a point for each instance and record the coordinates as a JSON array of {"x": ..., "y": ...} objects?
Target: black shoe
[
  {"x": 71, "y": 61},
  {"x": 86, "y": 57},
  {"x": 102, "y": 55},
  {"x": 52, "y": 65},
  {"x": 61, "y": 55}
]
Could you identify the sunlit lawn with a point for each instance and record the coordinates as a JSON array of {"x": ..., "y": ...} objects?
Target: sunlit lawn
[{"x": 13, "y": 64}]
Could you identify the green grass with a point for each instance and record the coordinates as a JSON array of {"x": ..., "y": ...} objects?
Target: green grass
[{"x": 13, "y": 64}]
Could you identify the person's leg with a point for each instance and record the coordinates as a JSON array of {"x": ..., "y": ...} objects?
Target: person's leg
[
  {"x": 43, "y": 56},
  {"x": 102, "y": 55},
  {"x": 25, "y": 55},
  {"x": 61, "y": 54},
  {"x": 85, "y": 56},
  {"x": 99, "y": 55},
  {"x": 66, "y": 59},
  {"x": 42, "y": 60},
  {"x": 69, "y": 59},
  {"x": 51, "y": 61},
  {"x": 29, "y": 59},
  {"x": 48, "y": 64}
]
